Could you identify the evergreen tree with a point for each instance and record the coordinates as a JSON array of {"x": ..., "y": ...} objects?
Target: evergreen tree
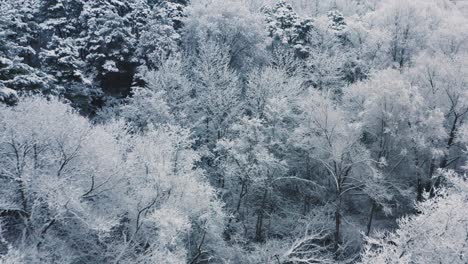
[
  {"x": 19, "y": 43},
  {"x": 107, "y": 45},
  {"x": 286, "y": 27},
  {"x": 337, "y": 21}
]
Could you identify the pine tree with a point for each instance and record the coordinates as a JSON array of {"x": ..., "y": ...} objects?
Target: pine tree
[
  {"x": 107, "y": 45},
  {"x": 19, "y": 43},
  {"x": 286, "y": 27},
  {"x": 337, "y": 21}
]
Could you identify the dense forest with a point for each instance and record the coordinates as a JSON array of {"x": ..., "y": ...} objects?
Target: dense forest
[{"x": 233, "y": 131}]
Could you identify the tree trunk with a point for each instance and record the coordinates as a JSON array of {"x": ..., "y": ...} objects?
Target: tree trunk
[
  {"x": 242, "y": 193},
  {"x": 420, "y": 190},
  {"x": 259, "y": 225},
  {"x": 419, "y": 186},
  {"x": 337, "y": 224},
  {"x": 371, "y": 216},
  {"x": 306, "y": 208}
]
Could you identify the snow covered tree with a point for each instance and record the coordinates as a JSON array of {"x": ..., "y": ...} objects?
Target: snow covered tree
[
  {"x": 205, "y": 96},
  {"x": 175, "y": 216},
  {"x": 172, "y": 82},
  {"x": 59, "y": 17},
  {"x": 147, "y": 108},
  {"x": 17, "y": 75},
  {"x": 251, "y": 159},
  {"x": 436, "y": 235},
  {"x": 449, "y": 38},
  {"x": 19, "y": 43},
  {"x": 407, "y": 27},
  {"x": 8, "y": 96},
  {"x": 286, "y": 27},
  {"x": 245, "y": 39},
  {"x": 327, "y": 138},
  {"x": 161, "y": 38},
  {"x": 337, "y": 21},
  {"x": 80, "y": 192},
  {"x": 50, "y": 160},
  {"x": 108, "y": 44},
  {"x": 60, "y": 51},
  {"x": 250, "y": 169},
  {"x": 442, "y": 81},
  {"x": 217, "y": 92},
  {"x": 398, "y": 127},
  {"x": 397, "y": 124}
]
